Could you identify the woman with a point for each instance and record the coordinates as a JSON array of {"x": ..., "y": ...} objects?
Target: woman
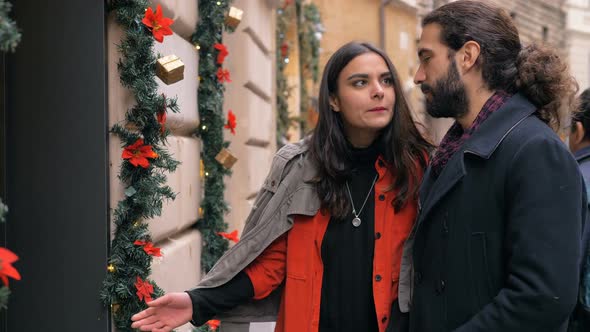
[{"x": 323, "y": 242}]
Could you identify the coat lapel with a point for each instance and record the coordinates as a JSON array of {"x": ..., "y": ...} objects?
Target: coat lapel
[
  {"x": 482, "y": 144},
  {"x": 433, "y": 190}
]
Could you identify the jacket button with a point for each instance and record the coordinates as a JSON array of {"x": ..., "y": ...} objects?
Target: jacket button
[
  {"x": 381, "y": 197},
  {"x": 418, "y": 278},
  {"x": 377, "y": 235},
  {"x": 273, "y": 183},
  {"x": 378, "y": 277},
  {"x": 384, "y": 319}
]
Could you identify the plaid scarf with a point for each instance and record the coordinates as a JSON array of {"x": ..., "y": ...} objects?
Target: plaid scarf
[{"x": 456, "y": 136}]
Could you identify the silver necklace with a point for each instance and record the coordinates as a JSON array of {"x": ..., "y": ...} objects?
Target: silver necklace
[{"x": 356, "y": 222}]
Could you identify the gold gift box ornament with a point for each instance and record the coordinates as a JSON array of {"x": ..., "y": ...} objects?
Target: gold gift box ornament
[
  {"x": 170, "y": 69},
  {"x": 225, "y": 158},
  {"x": 234, "y": 17}
]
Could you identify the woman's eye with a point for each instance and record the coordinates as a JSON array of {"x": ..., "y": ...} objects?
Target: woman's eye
[
  {"x": 359, "y": 83},
  {"x": 388, "y": 81}
]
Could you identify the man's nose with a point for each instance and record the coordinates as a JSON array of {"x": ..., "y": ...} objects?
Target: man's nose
[{"x": 419, "y": 77}]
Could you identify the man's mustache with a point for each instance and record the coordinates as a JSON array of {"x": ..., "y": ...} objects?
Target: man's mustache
[{"x": 425, "y": 88}]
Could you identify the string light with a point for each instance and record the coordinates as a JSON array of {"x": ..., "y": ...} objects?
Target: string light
[{"x": 111, "y": 269}]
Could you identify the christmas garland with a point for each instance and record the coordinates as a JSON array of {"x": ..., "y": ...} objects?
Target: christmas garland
[
  {"x": 212, "y": 75},
  {"x": 284, "y": 14},
  {"x": 126, "y": 287},
  {"x": 308, "y": 23},
  {"x": 9, "y": 34},
  {"x": 309, "y": 30},
  {"x": 207, "y": 38}
]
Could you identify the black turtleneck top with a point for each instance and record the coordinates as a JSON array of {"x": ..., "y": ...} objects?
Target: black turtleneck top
[
  {"x": 347, "y": 254},
  {"x": 347, "y": 302}
]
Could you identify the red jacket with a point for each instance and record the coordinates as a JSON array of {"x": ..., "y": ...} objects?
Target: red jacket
[{"x": 295, "y": 258}]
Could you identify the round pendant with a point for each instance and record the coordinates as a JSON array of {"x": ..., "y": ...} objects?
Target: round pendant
[{"x": 356, "y": 222}]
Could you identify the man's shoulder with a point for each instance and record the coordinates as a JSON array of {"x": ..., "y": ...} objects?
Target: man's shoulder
[{"x": 532, "y": 130}]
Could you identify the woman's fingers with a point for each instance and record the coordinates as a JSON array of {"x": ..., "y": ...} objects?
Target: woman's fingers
[
  {"x": 143, "y": 314},
  {"x": 152, "y": 327},
  {"x": 146, "y": 321},
  {"x": 162, "y": 301}
]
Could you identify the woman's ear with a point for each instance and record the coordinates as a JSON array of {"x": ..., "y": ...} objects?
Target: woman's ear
[{"x": 334, "y": 104}]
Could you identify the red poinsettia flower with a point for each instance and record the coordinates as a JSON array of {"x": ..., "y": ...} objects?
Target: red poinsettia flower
[
  {"x": 161, "y": 116},
  {"x": 144, "y": 289},
  {"x": 284, "y": 50},
  {"x": 222, "y": 52},
  {"x": 213, "y": 324},
  {"x": 223, "y": 75},
  {"x": 7, "y": 257},
  {"x": 159, "y": 24},
  {"x": 149, "y": 248},
  {"x": 137, "y": 153},
  {"x": 231, "y": 122},
  {"x": 233, "y": 236}
]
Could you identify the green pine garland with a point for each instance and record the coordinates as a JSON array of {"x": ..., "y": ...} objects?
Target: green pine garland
[
  {"x": 9, "y": 34},
  {"x": 210, "y": 96},
  {"x": 209, "y": 31},
  {"x": 310, "y": 44},
  {"x": 308, "y": 20},
  {"x": 283, "y": 89},
  {"x": 145, "y": 187}
]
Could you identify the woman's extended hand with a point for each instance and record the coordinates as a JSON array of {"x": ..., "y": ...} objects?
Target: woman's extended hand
[{"x": 165, "y": 313}]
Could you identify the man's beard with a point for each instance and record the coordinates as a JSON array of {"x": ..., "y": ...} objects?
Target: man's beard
[{"x": 448, "y": 96}]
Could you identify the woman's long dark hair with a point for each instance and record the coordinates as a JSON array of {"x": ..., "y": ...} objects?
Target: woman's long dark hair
[{"x": 402, "y": 145}]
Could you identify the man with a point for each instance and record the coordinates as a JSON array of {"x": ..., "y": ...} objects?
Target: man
[
  {"x": 497, "y": 244},
  {"x": 579, "y": 139},
  {"x": 579, "y": 143}
]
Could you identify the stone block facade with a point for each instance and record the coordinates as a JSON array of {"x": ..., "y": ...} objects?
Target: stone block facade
[{"x": 251, "y": 97}]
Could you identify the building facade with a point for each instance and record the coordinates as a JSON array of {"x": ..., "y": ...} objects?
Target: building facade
[{"x": 578, "y": 41}]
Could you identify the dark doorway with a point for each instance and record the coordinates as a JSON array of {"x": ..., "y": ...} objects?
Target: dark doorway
[{"x": 53, "y": 126}]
